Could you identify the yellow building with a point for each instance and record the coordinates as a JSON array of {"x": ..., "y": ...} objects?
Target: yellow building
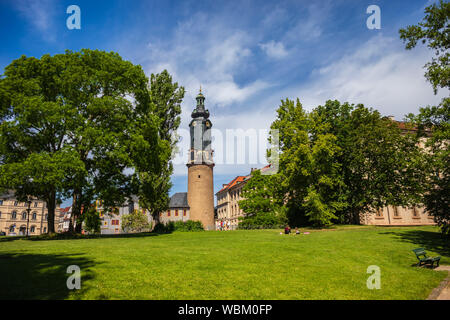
[
  {"x": 228, "y": 211},
  {"x": 14, "y": 216}
]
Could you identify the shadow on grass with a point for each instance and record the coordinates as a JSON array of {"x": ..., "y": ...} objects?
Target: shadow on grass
[
  {"x": 69, "y": 236},
  {"x": 430, "y": 241},
  {"x": 40, "y": 276}
]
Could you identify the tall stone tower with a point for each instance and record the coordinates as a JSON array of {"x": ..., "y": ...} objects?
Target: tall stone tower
[{"x": 200, "y": 167}]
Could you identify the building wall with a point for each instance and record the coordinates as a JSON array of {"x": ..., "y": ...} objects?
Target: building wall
[
  {"x": 228, "y": 206},
  {"x": 111, "y": 223},
  {"x": 38, "y": 217},
  {"x": 397, "y": 216},
  {"x": 201, "y": 194},
  {"x": 175, "y": 214}
]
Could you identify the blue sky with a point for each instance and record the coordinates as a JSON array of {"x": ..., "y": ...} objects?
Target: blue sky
[{"x": 247, "y": 55}]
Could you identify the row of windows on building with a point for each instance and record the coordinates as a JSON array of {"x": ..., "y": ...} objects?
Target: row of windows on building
[
  {"x": 16, "y": 204},
  {"x": 176, "y": 213},
  {"x": 234, "y": 195},
  {"x": 235, "y": 211},
  {"x": 32, "y": 229},
  {"x": 24, "y": 216},
  {"x": 414, "y": 212},
  {"x": 114, "y": 222}
]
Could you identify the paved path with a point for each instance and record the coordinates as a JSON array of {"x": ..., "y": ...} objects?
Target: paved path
[{"x": 443, "y": 291}]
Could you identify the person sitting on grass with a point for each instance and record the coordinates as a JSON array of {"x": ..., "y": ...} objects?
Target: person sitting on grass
[
  {"x": 297, "y": 231},
  {"x": 287, "y": 230}
]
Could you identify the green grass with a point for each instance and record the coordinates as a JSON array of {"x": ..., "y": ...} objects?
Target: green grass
[{"x": 261, "y": 264}]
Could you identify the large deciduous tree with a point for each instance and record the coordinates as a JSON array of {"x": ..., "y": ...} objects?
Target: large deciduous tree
[
  {"x": 88, "y": 118},
  {"x": 154, "y": 182},
  {"x": 434, "y": 31},
  {"x": 261, "y": 203},
  {"x": 341, "y": 160}
]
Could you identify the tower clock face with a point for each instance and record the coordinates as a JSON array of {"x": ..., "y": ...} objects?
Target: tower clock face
[
  {"x": 194, "y": 124},
  {"x": 208, "y": 124}
]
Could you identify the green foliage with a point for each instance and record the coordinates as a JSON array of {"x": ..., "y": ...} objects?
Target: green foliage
[
  {"x": 91, "y": 221},
  {"x": 168, "y": 227},
  {"x": 73, "y": 124},
  {"x": 433, "y": 122},
  {"x": 136, "y": 221},
  {"x": 434, "y": 30},
  {"x": 261, "y": 204},
  {"x": 340, "y": 160},
  {"x": 263, "y": 220},
  {"x": 185, "y": 226},
  {"x": 188, "y": 226},
  {"x": 154, "y": 185}
]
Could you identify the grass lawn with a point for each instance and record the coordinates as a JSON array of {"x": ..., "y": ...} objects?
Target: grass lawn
[{"x": 225, "y": 265}]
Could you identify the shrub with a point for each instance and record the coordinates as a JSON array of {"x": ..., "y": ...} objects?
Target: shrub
[
  {"x": 262, "y": 221},
  {"x": 188, "y": 226}
]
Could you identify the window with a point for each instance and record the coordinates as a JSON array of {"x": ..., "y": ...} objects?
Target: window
[
  {"x": 184, "y": 212},
  {"x": 35, "y": 204},
  {"x": 12, "y": 228},
  {"x": 32, "y": 229},
  {"x": 24, "y": 216},
  {"x": 379, "y": 212},
  {"x": 1, "y": 202},
  {"x": 45, "y": 229},
  {"x": 414, "y": 212},
  {"x": 168, "y": 213},
  {"x": 16, "y": 203},
  {"x": 176, "y": 212},
  {"x": 395, "y": 211},
  {"x": 33, "y": 217},
  {"x": 0, "y": 215},
  {"x": 199, "y": 176},
  {"x": 13, "y": 215},
  {"x": 46, "y": 216}
]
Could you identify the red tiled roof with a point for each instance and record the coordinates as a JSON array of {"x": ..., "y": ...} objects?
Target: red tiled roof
[
  {"x": 240, "y": 179},
  {"x": 63, "y": 210},
  {"x": 233, "y": 182}
]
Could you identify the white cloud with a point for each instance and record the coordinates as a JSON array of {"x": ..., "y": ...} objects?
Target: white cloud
[
  {"x": 39, "y": 14},
  {"x": 380, "y": 74},
  {"x": 205, "y": 52},
  {"x": 274, "y": 49}
]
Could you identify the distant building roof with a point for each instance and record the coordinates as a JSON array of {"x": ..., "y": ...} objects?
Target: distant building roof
[
  {"x": 241, "y": 179},
  {"x": 233, "y": 182},
  {"x": 179, "y": 200}
]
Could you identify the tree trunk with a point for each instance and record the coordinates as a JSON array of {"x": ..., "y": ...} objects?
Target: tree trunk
[
  {"x": 51, "y": 205},
  {"x": 156, "y": 220},
  {"x": 76, "y": 210}
]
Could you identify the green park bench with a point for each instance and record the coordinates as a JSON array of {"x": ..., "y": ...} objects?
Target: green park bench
[{"x": 424, "y": 259}]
